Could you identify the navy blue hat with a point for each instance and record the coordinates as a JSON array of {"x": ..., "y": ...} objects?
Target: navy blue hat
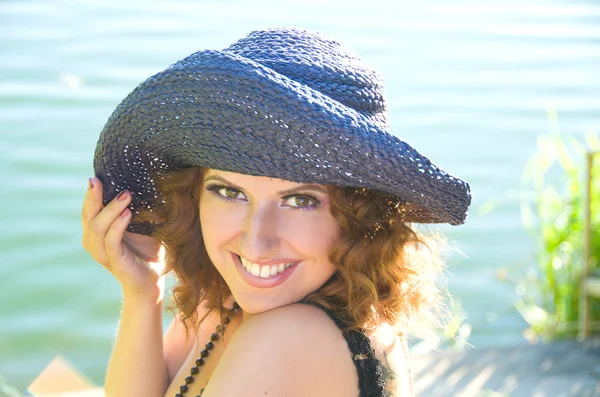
[{"x": 283, "y": 103}]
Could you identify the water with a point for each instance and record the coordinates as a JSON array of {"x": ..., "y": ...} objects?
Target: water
[{"x": 468, "y": 84}]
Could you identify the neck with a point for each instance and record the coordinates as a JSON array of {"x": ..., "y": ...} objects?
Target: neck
[{"x": 246, "y": 316}]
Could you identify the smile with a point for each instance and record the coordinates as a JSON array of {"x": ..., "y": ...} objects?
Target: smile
[
  {"x": 264, "y": 271},
  {"x": 264, "y": 276}
]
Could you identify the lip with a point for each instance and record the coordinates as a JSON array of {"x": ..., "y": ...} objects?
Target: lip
[{"x": 259, "y": 282}]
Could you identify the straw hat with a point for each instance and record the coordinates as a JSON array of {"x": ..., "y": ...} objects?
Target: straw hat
[{"x": 284, "y": 103}]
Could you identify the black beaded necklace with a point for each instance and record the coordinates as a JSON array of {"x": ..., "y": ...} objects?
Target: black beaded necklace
[{"x": 183, "y": 389}]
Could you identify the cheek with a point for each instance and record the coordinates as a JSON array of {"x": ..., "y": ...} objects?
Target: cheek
[
  {"x": 216, "y": 225},
  {"x": 314, "y": 235}
]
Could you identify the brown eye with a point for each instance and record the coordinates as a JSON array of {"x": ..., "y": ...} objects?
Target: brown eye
[
  {"x": 230, "y": 193},
  {"x": 302, "y": 201}
]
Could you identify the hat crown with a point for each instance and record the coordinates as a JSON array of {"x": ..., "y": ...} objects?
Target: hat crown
[
  {"x": 280, "y": 103},
  {"x": 320, "y": 63}
]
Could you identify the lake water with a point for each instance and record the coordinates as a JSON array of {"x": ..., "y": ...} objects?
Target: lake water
[{"x": 468, "y": 84}]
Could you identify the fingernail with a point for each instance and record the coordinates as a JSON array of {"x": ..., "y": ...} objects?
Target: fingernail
[
  {"x": 124, "y": 213},
  {"x": 122, "y": 196},
  {"x": 90, "y": 183}
]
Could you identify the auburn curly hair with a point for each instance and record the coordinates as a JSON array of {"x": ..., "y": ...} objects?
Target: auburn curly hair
[{"x": 385, "y": 271}]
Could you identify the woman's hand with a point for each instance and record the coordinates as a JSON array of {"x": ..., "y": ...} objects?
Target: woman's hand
[{"x": 135, "y": 260}]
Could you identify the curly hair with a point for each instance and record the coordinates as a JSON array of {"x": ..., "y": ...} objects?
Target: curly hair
[{"x": 385, "y": 271}]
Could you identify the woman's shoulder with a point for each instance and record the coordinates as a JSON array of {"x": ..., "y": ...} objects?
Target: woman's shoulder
[
  {"x": 304, "y": 329},
  {"x": 292, "y": 350},
  {"x": 310, "y": 317},
  {"x": 379, "y": 356}
]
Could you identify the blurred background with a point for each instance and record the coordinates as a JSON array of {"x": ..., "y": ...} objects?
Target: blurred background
[{"x": 470, "y": 84}]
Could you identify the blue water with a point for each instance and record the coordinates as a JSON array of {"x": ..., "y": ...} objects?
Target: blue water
[{"x": 468, "y": 84}]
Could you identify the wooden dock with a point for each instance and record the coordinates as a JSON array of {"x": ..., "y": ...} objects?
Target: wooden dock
[{"x": 558, "y": 369}]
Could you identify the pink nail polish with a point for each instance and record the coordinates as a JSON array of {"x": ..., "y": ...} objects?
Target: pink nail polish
[{"x": 122, "y": 196}]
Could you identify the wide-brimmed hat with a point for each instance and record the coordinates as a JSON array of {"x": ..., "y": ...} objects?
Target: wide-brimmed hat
[{"x": 283, "y": 103}]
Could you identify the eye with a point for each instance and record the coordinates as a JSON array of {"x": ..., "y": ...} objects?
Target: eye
[
  {"x": 301, "y": 202},
  {"x": 229, "y": 193},
  {"x": 225, "y": 193}
]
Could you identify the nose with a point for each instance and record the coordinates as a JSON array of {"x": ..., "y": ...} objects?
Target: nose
[{"x": 260, "y": 240}]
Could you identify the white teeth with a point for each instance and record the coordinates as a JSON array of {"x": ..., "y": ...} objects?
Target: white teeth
[
  {"x": 255, "y": 270},
  {"x": 263, "y": 271},
  {"x": 247, "y": 265}
]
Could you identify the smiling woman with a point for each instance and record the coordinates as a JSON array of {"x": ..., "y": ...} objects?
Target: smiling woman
[
  {"x": 286, "y": 210},
  {"x": 267, "y": 224}
]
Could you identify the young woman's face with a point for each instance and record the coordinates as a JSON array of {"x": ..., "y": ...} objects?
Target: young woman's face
[{"x": 269, "y": 238}]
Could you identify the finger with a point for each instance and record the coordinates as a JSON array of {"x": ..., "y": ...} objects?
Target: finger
[
  {"x": 99, "y": 225},
  {"x": 92, "y": 205},
  {"x": 92, "y": 202},
  {"x": 113, "y": 241},
  {"x": 102, "y": 221}
]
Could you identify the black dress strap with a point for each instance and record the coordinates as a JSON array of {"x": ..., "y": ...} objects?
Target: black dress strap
[{"x": 371, "y": 382}]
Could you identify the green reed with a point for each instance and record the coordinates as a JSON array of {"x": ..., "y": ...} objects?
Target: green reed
[{"x": 554, "y": 213}]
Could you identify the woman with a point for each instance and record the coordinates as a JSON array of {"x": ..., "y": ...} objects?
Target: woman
[{"x": 284, "y": 206}]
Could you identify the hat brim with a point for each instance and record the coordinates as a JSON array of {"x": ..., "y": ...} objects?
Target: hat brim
[{"x": 223, "y": 111}]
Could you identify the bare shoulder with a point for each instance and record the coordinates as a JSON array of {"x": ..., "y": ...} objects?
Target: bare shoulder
[
  {"x": 305, "y": 320},
  {"x": 295, "y": 350}
]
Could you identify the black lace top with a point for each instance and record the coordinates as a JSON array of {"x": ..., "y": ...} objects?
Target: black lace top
[{"x": 371, "y": 379}]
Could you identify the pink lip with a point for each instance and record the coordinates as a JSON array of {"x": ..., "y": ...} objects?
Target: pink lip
[{"x": 259, "y": 282}]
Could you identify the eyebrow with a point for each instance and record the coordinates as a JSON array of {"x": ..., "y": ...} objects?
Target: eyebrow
[{"x": 303, "y": 188}]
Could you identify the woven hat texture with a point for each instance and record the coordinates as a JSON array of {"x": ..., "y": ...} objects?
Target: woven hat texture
[{"x": 282, "y": 103}]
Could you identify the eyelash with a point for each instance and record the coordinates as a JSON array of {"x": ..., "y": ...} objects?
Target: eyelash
[{"x": 214, "y": 189}]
